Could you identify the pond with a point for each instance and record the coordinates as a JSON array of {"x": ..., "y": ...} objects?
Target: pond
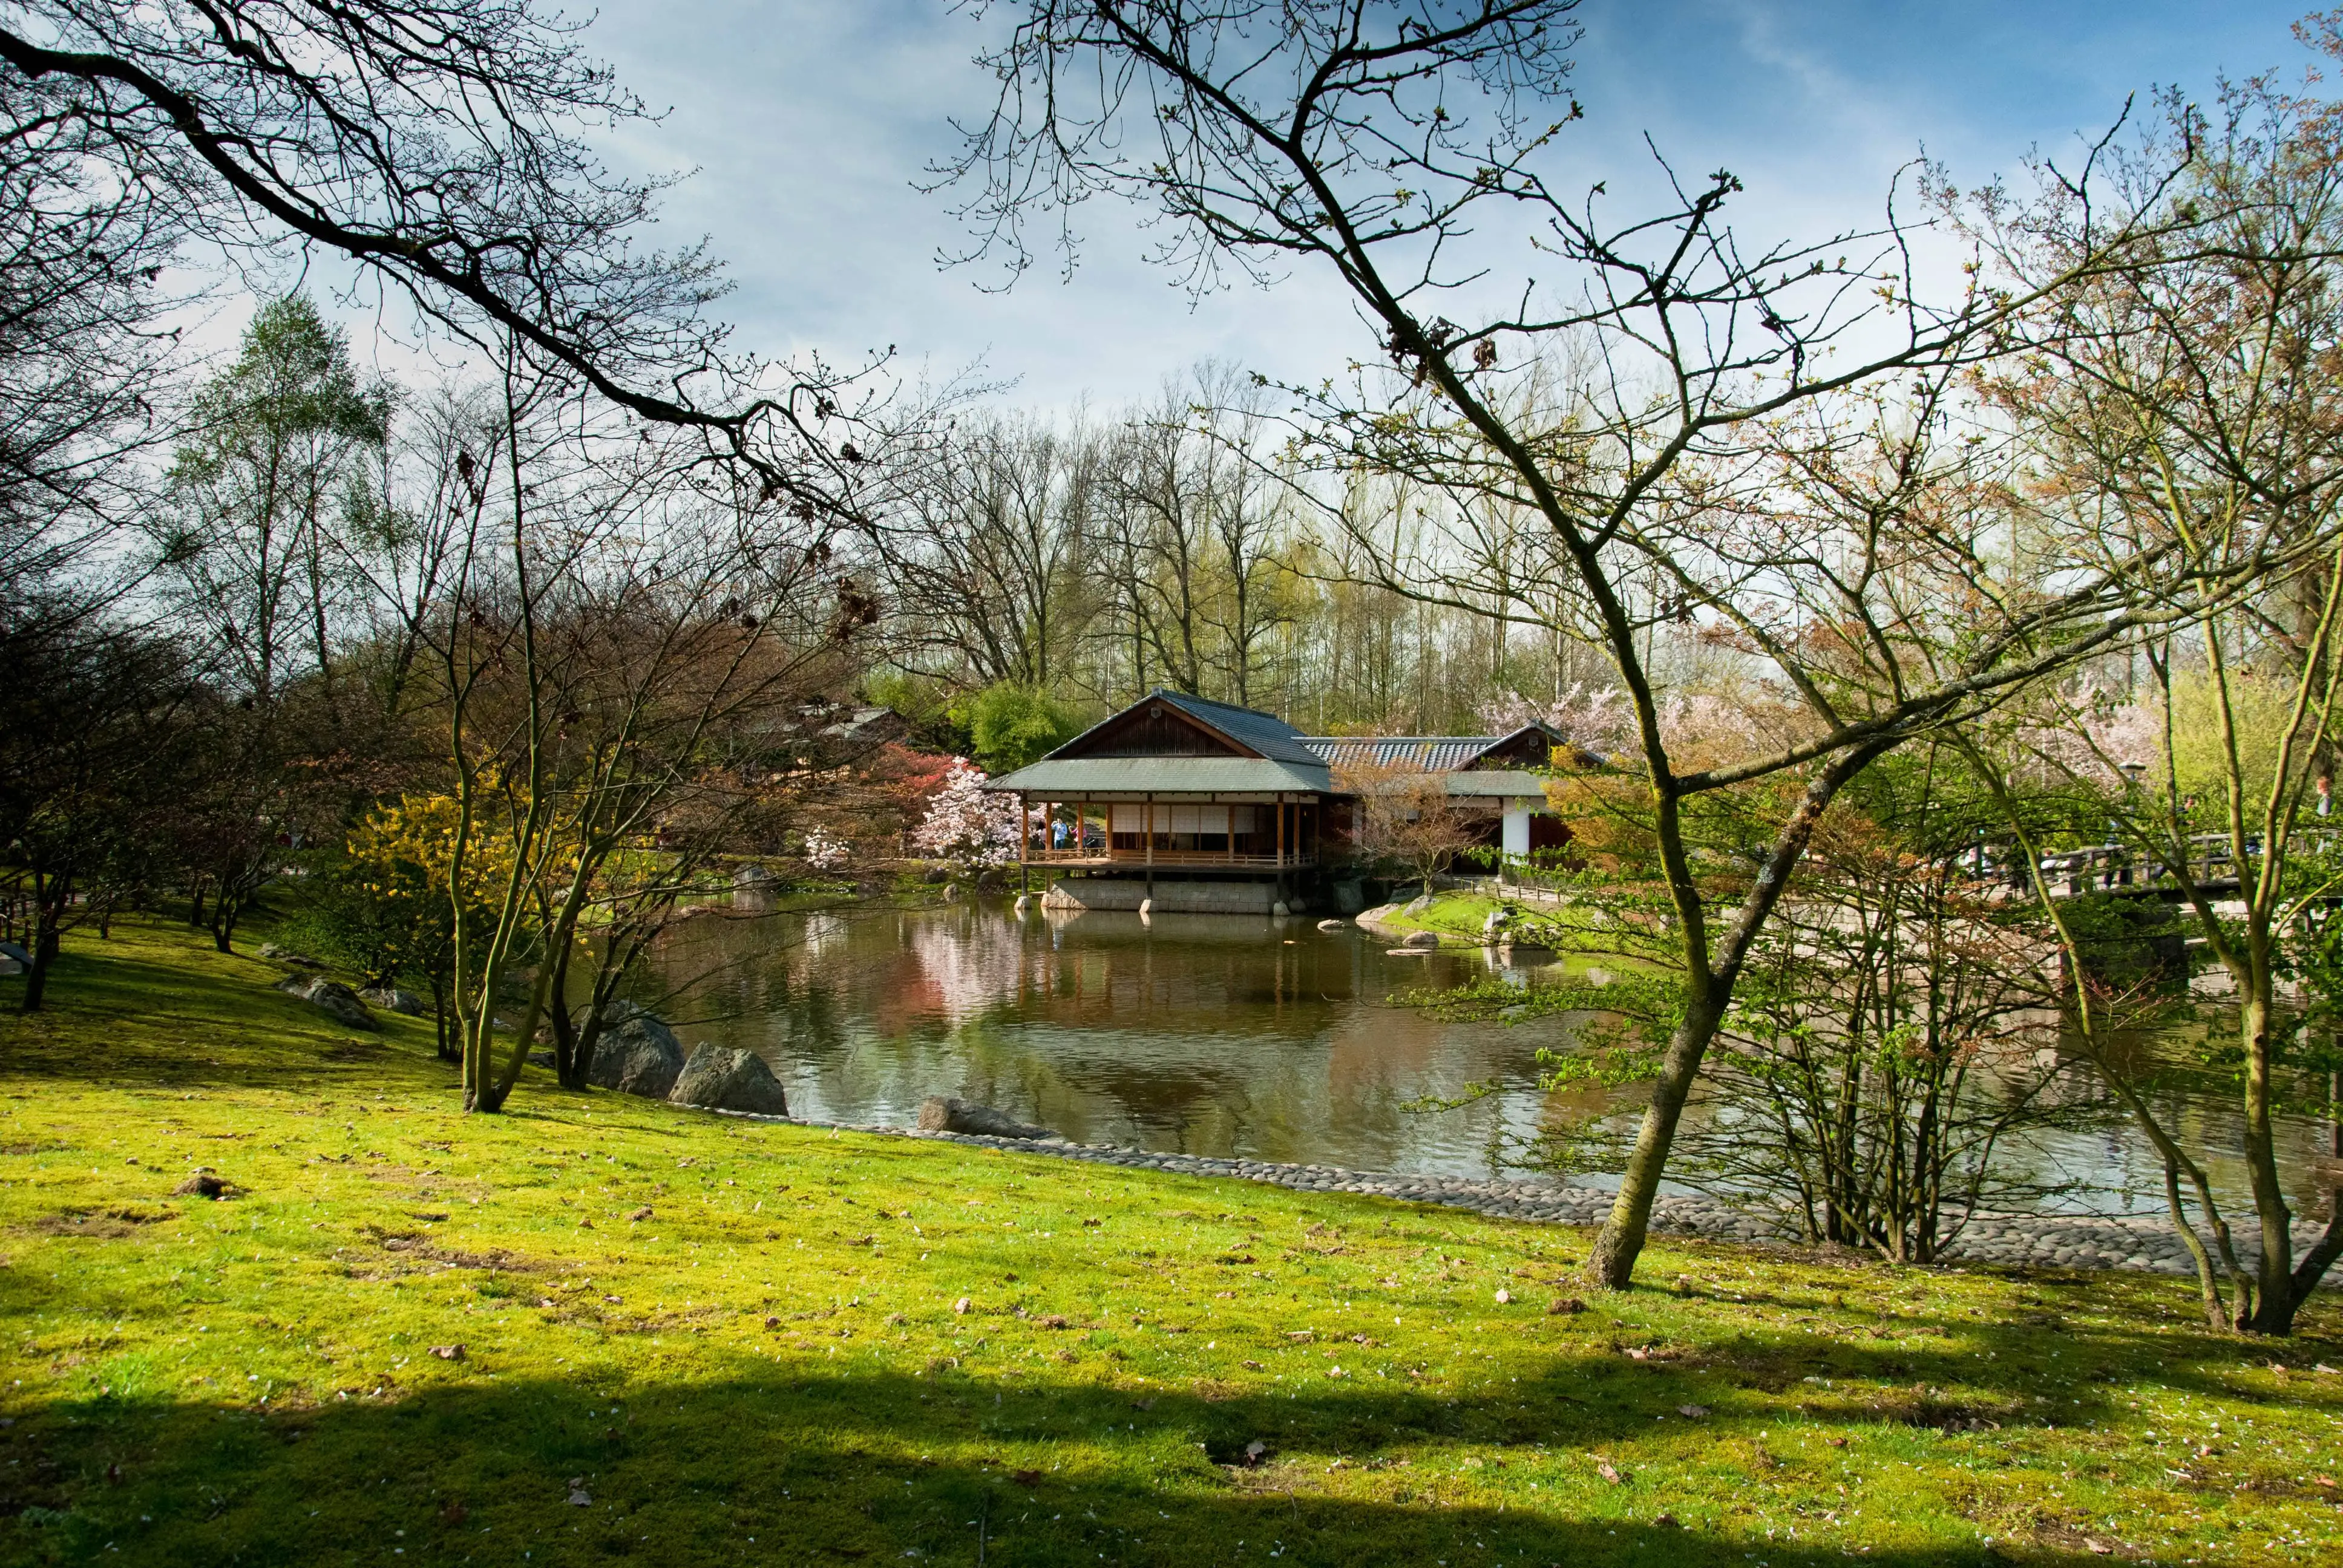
[{"x": 1221, "y": 1035}]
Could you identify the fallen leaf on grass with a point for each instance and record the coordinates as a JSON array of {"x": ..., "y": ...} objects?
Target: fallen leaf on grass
[
  {"x": 1027, "y": 1477},
  {"x": 1693, "y": 1411},
  {"x": 1604, "y": 1468},
  {"x": 2098, "y": 1548},
  {"x": 453, "y": 1514},
  {"x": 1563, "y": 1306},
  {"x": 1254, "y": 1451},
  {"x": 1505, "y": 1298},
  {"x": 960, "y": 1306},
  {"x": 451, "y": 1352},
  {"x": 642, "y": 1214}
]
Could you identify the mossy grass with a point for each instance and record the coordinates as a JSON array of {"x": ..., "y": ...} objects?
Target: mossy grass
[{"x": 687, "y": 1339}]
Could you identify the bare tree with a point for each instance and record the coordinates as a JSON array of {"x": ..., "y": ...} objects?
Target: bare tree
[
  {"x": 1404, "y": 813},
  {"x": 2186, "y": 401},
  {"x": 611, "y": 643},
  {"x": 1367, "y": 140},
  {"x": 988, "y": 557},
  {"x": 443, "y": 149}
]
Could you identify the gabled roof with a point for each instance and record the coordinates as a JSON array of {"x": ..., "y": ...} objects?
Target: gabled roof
[
  {"x": 1269, "y": 736},
  {"x": 1433, "y": 753},
  {"x": 1246, "y": 732}
]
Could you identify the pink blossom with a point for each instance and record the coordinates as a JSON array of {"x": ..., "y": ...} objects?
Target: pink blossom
[{"x": 966, "y": 826}]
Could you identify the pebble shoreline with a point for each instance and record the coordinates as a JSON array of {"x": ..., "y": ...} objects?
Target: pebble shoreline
[{"x": 2136, "y": 1241}]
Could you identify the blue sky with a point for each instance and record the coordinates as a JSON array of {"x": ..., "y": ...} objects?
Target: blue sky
[{"x": 807, "y": 121}]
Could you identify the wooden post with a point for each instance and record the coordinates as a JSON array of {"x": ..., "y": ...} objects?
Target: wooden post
[
  {"x": 1280, "y": 809},
  {"x": 1150, "y": 846},
  {"x": 1024, "y": 843}
]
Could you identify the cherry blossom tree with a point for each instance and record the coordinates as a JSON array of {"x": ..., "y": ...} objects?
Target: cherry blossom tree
[{"x": 966, "y": 827}]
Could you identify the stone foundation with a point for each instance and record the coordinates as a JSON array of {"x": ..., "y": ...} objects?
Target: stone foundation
[{"x": 1171, "y": 898}]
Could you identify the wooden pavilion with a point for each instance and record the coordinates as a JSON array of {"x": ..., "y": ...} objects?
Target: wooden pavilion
[{"x": 1234, "y": 808}]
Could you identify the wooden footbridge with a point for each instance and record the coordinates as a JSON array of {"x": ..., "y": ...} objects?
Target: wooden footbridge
[{"x": 2134, "y": 871}]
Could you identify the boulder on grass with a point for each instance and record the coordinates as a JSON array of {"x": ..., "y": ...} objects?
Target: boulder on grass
[
  {"x": 946, "y": 1113},
  {"x": 636, "y": 1054},
  {"x": 276, "y": 954},
  {"x": 719, "y": 1078},
  {"x": 330, "y": 997},
  {"x": 395, "y": 999}
]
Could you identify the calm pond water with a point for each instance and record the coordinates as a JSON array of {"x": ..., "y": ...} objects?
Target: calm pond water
[{"x": 1204, "y": 1034}]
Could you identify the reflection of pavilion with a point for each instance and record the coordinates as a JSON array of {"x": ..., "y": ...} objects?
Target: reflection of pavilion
[{"x": 1204, "y": 806}]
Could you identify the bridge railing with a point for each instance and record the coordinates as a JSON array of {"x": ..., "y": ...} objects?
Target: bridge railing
[{"x": 2211, "y": 859}]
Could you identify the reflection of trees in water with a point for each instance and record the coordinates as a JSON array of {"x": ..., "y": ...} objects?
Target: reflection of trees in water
[{"x": 1196, "y": 1034}]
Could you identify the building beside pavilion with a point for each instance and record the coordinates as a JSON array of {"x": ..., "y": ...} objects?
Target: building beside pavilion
[{"x": 1197, "y": 805}]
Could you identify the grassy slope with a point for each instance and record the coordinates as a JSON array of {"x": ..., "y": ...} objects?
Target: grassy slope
[{"x": 763, "y": 1362}]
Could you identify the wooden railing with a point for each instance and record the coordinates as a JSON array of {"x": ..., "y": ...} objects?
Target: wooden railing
[
  {"x": 2211, "y": 859},
  {"x": 1068, "y": 856}
]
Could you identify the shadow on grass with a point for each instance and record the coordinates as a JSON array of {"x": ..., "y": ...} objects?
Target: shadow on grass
[
  {"x": 217, "y": 1021},
  {"x": 844, "y": 1469}
]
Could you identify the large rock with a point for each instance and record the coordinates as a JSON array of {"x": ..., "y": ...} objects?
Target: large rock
[
  {"x": 945, "y": 1113},
  {"x": 1420, "y": 939},
  {"x": 276, "y": 954},
  {"x": 719, "y": 1078},
  {"x": 330, "y": 997},
  {"x": 395, "y": 999},
  {"x": 636, "y": 1054}
]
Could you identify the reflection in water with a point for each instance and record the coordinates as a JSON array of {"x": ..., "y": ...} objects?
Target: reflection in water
[{"x": 1207, "y": 1035}]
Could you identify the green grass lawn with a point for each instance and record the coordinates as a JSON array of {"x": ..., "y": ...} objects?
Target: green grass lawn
[
  {"x": 1453, "y": 915},
  {"x": 596, "y": 1329}
]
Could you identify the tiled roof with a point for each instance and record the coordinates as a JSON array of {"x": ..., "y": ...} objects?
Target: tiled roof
[
  {"x": 1270, "y": 736},
  {"x": 1436, "y": 753}
]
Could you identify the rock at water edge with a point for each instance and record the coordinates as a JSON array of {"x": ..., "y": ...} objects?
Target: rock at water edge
[
  {"x": 637, "y": 1053},
  {"x": 719, "y": 1078},
  {"x": 946, "y": 1113}
]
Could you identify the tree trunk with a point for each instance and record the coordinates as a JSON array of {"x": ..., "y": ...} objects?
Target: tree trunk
[
  {"x": 2274, "y": 1297},
  {"x": 45, "y": 954},
  {"x": 1612, "y": 1264},
  {"x": 446, "y": 1050}
]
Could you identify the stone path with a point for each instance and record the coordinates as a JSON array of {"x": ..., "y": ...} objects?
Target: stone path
[{"x": 2040, "y": 1241}]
